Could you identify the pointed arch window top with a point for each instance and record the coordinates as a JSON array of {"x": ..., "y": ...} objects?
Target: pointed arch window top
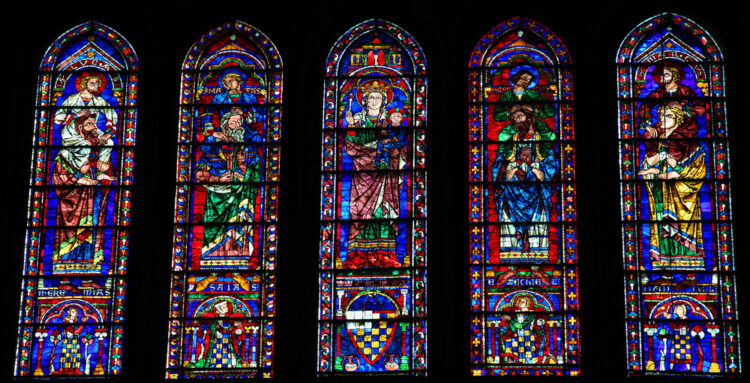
[
  {"x": 523, "y": 246},
  {"x": 252, "y": 42},
  {"x": 372, "y": 318},
  {"x": 225, "y": 241},
  {"x": 78, "y": 231},
  {"x": 483, "y": 52},
  {"x": 349, "y": 56},
  {"x": 678, "y": 257},
  {"x": 103, "y": 46},
  {"x": 688, "y": 40}
]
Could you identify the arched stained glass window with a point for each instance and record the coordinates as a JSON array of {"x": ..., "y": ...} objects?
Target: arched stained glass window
[
  {"x": 77, "y": 243},
  {"x": 224, "y": 255},
  {"x": 677, "y": 231},
  {"x": 524, "y": 278},
  {"x": 372, "y": 315}
]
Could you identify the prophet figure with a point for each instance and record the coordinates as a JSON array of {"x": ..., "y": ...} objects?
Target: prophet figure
[
  {"x": 89, "y": 85},
  {"x": 523, "y": 162},
  {"x": 226, "y": 166},
  {"x": 79, "y": 244},
  {"x": 677, "y": 165}
]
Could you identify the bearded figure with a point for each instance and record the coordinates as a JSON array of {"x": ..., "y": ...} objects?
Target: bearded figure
[
  {"x": 524, "y": 161},
  {"x": 79, "y": 243}
]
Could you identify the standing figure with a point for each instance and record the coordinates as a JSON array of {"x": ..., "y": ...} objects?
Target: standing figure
[
  {"x": 79, "y": 243},
  {"x": 677, "y": 164},
  {"x": 226, "y": 165},
  {"x": 523, "y": 199},
  {"x": 374, "y": 195}
]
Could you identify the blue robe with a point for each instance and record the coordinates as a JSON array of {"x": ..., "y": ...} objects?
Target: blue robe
[
  {"x": 244, "y": 100},
  {"x": 524, "y": 201}
]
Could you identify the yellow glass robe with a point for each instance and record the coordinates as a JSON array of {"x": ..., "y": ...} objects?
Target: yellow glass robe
[{"x": 676, "y": 241}]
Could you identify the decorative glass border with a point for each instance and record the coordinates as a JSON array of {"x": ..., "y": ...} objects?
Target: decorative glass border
[
  {"x": 478, "y": 200},
  {"x": 108, "y": 331},
  {"x": 641, "y": 332},
  {"x": 261, "y": 330},
  {"x": 416, "y": 364}
]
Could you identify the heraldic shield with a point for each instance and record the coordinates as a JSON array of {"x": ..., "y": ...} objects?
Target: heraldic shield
[{"x": 371, "y": 339}]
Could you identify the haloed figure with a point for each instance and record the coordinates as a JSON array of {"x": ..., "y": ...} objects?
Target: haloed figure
[
  {"x": 82, "y": 162},
  {"x": 229, "y": 161},
  {"x": 676, "y": 241},
  {"x": 374, "y": 195},
  {"x": 232, "y": 81},
  {"x": 524, "y": 160}
]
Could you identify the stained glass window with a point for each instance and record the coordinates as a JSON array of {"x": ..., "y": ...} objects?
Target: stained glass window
[
  {"x": 677, "y": 231},
  {"x": 524, "y": 282},
  {"x": 224, "y": 254},
  {"x": 372, "y": 317},
  {"x": 77, "y": 238}
]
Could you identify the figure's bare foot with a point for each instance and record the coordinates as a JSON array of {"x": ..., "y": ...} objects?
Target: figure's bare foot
[
  {"x": 387, "y": 261},
  {"x": 233, "y": 245},
  {"x": 372, "y": 259},
  {"x": 105, "y": 177},
  {"x": 86, "y": 181}
]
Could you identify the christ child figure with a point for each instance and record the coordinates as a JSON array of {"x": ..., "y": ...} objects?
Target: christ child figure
[{"x": 387, "y": 141}]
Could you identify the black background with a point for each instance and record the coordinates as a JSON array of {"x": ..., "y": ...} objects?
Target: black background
[{"x": 304, "y": 33}]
